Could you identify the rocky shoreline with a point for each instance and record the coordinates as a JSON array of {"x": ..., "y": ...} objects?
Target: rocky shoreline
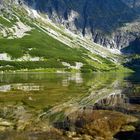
[{"x": 85, "y": 124}]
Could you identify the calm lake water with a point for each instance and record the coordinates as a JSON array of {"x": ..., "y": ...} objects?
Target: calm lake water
[{"x": 52, "y": 96}]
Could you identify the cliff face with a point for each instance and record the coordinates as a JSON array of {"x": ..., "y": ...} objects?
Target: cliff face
[
  {"x": 132, "y": 3},
  {"x": 111, "y": 23}
]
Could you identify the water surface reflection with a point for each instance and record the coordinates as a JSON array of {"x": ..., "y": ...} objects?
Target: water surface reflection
[{"x": 41, "y": 101}]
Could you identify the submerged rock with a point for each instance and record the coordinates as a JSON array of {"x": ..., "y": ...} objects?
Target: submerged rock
[
  {"x": 5, "y": 125},
  {"x": 85, "y": 124},
  {"x": 98, "y": 124}
]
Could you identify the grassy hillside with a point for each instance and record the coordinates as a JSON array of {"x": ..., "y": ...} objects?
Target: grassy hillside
[{"x": 51, "y": 44}]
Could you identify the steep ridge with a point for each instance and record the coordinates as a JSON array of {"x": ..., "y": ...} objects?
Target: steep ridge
[
  {"x": 30, "y": 40},
  {"x": 113, "y": 24}
]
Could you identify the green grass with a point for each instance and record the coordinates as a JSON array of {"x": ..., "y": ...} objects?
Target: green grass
[
  {"x": 42, "y": 45},
  {"x": 53, "y": 51},
  {"x": 4, "y": 22},
  {"x": 14, "y": 65}
]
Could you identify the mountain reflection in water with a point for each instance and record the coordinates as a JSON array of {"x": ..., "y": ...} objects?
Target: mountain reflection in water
[{"x": 41, "y": 101}]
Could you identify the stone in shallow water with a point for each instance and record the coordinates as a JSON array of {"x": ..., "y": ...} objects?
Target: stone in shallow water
[
  {"x": 99, "y": 124},
  {"x": 5, "y": 125},
  {"x": 128, "y": 128}
]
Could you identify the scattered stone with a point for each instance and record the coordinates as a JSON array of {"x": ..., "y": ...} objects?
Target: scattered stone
[
  {"x": 70, "y": 134},
  {"x": 5, "y": 123},
  {"x": 100, "y": 124}
]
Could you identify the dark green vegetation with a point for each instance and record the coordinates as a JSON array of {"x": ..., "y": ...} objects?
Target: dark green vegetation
[{"x": 27, "y": 65}]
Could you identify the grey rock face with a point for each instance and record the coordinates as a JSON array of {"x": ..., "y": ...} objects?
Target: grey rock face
[
  {"x": 111, "y": 23},
  {"x": 132, "y": 3}
]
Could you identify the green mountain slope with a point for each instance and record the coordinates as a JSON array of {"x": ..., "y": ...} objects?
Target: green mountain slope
[{"x": 29, "y": 40}]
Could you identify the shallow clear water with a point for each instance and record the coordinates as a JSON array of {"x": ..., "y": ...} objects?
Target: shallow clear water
[{"x": 48, "y": 95}]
